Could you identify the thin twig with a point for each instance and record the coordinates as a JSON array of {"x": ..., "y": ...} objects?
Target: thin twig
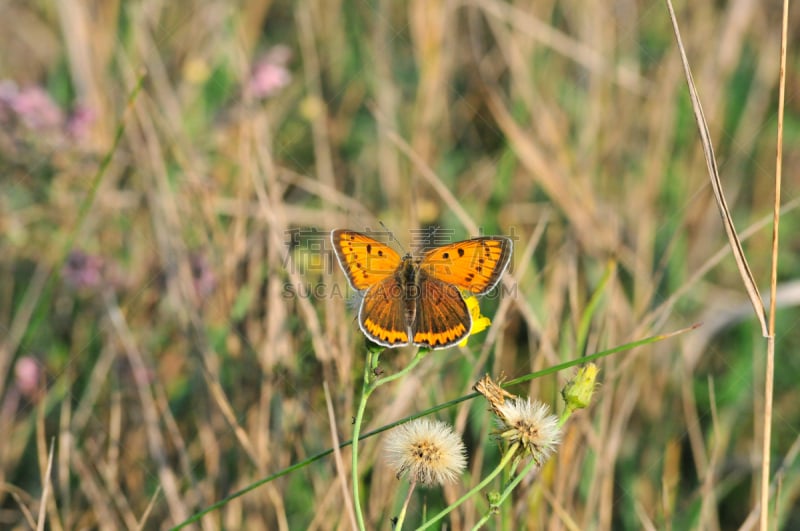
[{"x": 769, "y": 371}]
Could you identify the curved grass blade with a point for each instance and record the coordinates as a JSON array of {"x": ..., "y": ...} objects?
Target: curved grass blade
[{"x": 713, "y": 174}]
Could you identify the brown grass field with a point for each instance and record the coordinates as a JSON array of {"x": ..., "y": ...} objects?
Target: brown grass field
[{"x": 172, "y": 315}]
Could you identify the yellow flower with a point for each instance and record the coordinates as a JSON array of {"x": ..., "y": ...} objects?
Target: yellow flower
[{"x": 479, "y": 322}]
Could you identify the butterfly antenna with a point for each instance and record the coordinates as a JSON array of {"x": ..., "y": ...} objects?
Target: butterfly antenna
[{"x": 392, "y": 236}]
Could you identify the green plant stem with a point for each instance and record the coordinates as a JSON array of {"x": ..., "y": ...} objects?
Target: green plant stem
[
  {"x": 398, "y": 526},
  {"x": 510, "y": 453},
  {"x": 506, "y": 493},
  {"x": 514, "y": 482},
  {"x": 505, "y": 515},
  {"x": 366, "y": 390},
  {"x": 566, "y": 414},
  {"x": 480, "y": 523}
]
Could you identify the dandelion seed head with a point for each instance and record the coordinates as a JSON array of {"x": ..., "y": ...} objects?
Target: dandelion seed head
[
  {"x": 428, "y": 451},
  {"x": 529, "y": 423}
]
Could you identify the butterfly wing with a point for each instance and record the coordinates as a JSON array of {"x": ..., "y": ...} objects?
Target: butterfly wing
[
  {"x": 382, "y": 315},
  {"x": 442, "y": 317},
  {"x": 475, "y": 265},
  {"x": 364, "y": 260}
]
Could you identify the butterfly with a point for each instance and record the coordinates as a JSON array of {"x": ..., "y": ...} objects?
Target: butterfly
[{"x": 417, "y": 299}]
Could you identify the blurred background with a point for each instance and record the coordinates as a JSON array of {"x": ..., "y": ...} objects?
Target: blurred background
[{"x": 169, "y": 307}]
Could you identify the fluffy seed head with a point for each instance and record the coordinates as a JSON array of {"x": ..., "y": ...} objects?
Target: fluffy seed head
[
  {"x": 429, "y": 451},
  {"x": 529, "y": 424}
]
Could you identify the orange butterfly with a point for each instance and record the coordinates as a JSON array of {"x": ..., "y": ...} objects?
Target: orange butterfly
[{"x": 416, "y": 299}]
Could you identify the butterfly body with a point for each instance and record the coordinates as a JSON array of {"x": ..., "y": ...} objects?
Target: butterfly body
[
  {"x": 417, "y": 299},
  {"x": 407, "y": 278}
]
